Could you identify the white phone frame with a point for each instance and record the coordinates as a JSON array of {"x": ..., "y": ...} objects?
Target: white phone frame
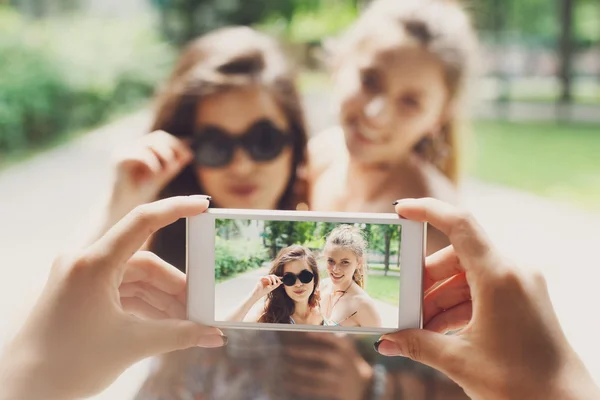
[{"x": 200, "y": 261}]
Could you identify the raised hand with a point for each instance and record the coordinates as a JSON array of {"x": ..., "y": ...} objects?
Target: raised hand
[{"x": 266, "y": 285}]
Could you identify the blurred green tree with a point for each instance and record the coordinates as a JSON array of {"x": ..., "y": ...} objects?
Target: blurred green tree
[
  {"x": 183, "y": 20},
  {"x": 279, "y": 234}
]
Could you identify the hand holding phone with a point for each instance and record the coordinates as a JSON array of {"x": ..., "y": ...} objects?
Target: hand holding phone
[{"x": 306, "y": 271}]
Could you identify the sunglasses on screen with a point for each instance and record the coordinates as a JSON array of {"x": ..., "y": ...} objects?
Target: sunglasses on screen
[{"x": 289, "y": 279}]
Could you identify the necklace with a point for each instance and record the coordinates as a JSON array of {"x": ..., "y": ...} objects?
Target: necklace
[{"x": 330, "y": 308}]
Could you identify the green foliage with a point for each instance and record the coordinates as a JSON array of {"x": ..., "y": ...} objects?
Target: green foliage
[
  {"x": 313, "y": 21},
  {"x": 587, "y": 15},
  {"x": 31, "y": 87},
  {"x": 71, "y": 73},
  {"x": 183, "y": 20},
  {"x": 535, "y": 22},
  {"x": 236, "y": 256},
  {"x": 279, "y": 234},
  {"x": 377, "y": 235},
  {"x": 229, "y": 228}
]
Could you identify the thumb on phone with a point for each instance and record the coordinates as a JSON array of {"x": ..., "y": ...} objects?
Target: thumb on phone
[
  {"x": 430, "y": 348},
  {"x": 169, "y": 335}
]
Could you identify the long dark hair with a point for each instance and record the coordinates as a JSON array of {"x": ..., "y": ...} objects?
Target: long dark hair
[
  {"x": 226, "y": 59},
  {"x": 279, "y": 307}
]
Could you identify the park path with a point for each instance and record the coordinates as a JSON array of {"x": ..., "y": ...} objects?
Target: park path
[
  {"x": 46, "y": 202},
  {"x": 231, "y": 293}
]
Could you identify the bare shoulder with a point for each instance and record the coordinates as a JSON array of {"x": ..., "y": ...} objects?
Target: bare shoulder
[
  {"x": 364, "y": 301},
  {"x": 322, "y": 150},
  {"x": 367, "y": 313}
]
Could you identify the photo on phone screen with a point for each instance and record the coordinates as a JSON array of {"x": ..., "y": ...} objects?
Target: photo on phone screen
[{"x": 307, "y": 272}]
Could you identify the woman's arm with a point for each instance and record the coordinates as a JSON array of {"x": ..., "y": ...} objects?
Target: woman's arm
[
  {"x": 367, "y": 315},
  {"x": 242, "y": 310},
  {"x": 140, "y": 171},
  {"x": 264, "y": 286}
]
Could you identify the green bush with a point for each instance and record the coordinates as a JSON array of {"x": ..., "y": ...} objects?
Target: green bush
[
  {"x": 31, "y": 87},
  {"x": 71, "y": 73},
  {"x": 236, "y": 256}
]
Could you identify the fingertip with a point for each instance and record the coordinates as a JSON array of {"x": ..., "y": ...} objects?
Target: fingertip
[
  {"x": 387, "y": 348},
  {"x": 201, "y": 199},
  {"x": 213, "y": 341}
]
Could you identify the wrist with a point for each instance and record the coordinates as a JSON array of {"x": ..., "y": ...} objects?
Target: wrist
[
  {"x": 574, "y": 382},
  {"x": 24, "y": 376},
  {"x": 256, "y": 296},
  {"x": 570, "y": 380}
]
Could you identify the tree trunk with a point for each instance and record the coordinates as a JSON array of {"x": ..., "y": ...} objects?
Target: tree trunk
[
  {"x": 386, "y": 260},
  {"x": 273, "y": 250},
  {"x": 500, "y": 12},
  {"x": 565, "y": 50},
  {"x": 399, "y": 248}
]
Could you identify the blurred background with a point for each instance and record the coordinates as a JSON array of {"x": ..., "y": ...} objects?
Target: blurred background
[
  {"x": 77, "y": 76},
  {"x": 68, "y": 66}
]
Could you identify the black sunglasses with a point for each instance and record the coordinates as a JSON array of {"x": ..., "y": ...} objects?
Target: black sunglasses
[
  {"x": 263, "y": 141},
  {"x": 289, "y": 279}
]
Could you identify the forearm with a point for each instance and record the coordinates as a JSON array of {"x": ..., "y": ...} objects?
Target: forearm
[{"x": 242, "y": 310}]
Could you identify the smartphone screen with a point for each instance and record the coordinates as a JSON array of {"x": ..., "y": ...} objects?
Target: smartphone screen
[
  {"x": 304, "y": 270},
  {"x": 307, "y": 272}
]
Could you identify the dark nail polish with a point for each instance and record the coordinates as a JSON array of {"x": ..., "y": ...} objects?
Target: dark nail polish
[
  {"x": 225, "y": 340},
  {"x": 376, "y": 345},
  {"x": 395, "y": 203},
  {"x": 209, "y": 198}
]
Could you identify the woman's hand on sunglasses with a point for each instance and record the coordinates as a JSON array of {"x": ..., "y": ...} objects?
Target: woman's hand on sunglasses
[
  {"x": 266, "y": 285},
  {"x": 144, "y": 169}
]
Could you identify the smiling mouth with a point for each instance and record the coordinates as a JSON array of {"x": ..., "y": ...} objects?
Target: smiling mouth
[
  {"x": 337, "y": 277},
  {"x": 365, "y": 136},
  {"x": 243, "y": 190},
  {"x": 299, "y": 291}
]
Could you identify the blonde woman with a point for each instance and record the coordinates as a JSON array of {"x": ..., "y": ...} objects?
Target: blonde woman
[{"x": 343, "y": 297}]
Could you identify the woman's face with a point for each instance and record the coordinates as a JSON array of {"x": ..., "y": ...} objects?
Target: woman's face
[
  {"x": 300, "y": 292},
  {"x": 341, "y": 264},
  {"x": 390, "y": 98},
  {"x": 244, "y": 182}
]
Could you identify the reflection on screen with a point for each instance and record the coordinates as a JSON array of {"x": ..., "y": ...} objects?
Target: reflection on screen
[{"x": 307, "y": 273}]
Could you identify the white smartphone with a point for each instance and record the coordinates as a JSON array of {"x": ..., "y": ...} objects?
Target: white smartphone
[{"x": 290, "y": 270}]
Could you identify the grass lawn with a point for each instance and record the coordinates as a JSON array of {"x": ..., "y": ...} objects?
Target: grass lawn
[
  {"x": 384, "y": 288},
  {"x": 558, "y": 161},
  {"x": 381, "y": 267}
]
